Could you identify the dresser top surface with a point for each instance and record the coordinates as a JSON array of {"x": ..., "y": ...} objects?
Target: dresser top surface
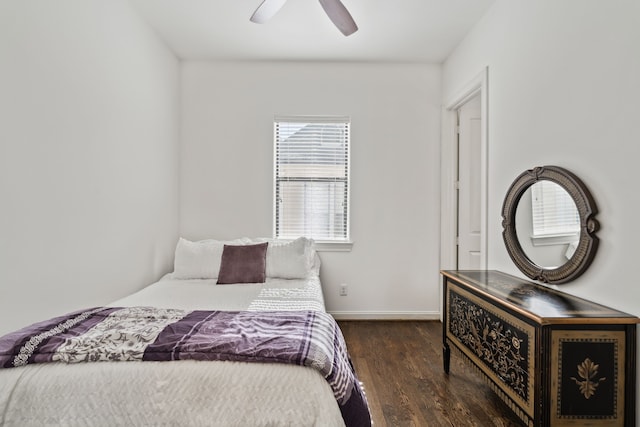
[{"x": 533, "y": 299}]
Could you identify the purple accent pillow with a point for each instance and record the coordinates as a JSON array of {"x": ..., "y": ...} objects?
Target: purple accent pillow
[{"x": 243, "y": 264}]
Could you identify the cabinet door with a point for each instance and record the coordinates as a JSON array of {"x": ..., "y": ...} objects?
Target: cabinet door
[{"x": 587, "y": 377}]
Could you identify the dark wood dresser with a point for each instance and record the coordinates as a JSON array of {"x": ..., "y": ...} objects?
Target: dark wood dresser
[{"x": 555, "y": 359}]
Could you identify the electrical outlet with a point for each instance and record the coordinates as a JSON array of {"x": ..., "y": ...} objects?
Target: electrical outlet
[{"x": 343, "y": 290}]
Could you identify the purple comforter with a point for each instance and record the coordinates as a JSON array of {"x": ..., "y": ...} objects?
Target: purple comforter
[{"x": 305, "y": 338}]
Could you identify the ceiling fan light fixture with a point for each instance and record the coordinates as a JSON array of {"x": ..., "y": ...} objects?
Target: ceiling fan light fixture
[{"x": 335, "y": 10}]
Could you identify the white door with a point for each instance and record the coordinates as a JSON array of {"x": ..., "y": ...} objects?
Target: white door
[{"x": 469, "y": 188}]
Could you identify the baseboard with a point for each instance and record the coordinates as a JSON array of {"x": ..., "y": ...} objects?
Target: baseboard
[{"x": 385, "y": 315}]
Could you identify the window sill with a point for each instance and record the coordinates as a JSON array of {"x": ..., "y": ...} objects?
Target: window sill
[
  {"x": 333, "y": 246},
  {"x": 554, "y": 239}
]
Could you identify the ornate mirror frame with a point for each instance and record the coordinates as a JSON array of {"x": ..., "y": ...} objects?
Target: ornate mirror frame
[{"x": 588, "y": 242}]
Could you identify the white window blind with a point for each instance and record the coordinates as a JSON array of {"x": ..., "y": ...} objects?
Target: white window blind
[
  {"x": 312, "y": 177},
  {"x": 554, "y": 211}
]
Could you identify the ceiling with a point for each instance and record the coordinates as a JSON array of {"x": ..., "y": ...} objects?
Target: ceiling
[{"x": 423, "y": 31}]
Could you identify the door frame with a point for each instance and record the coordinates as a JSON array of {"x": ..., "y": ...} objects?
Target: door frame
[{"x": 449, "y": 171}]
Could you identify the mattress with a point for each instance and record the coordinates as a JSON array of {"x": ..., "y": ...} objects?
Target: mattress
[{"x": 186, "y": 393}]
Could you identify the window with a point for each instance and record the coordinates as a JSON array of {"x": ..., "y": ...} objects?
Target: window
[
  {"x": 554, "y": 211},
  {"x": 311, "y": 196}
]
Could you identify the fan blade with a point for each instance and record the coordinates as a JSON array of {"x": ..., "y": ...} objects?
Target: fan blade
[
  {"x": 266, "y": 10},
  {"x": 340, "y": 16}
]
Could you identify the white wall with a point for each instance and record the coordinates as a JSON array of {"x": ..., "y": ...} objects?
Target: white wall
[
  {"x": 564, "y": 90},
  {"x": 88, "y": 156},
  {"x": 227, "y": 169}
]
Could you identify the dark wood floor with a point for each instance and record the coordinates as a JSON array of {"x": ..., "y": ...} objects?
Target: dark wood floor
[{"x": 400, "y": 365}]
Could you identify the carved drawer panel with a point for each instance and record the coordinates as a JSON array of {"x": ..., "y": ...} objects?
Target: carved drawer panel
[{"x": 498, "y": 343}]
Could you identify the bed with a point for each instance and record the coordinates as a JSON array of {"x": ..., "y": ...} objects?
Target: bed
[{"x": 215, "y": 353}]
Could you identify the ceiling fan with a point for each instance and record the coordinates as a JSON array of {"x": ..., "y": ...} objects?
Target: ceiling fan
[{"x": 336, "y": 11}]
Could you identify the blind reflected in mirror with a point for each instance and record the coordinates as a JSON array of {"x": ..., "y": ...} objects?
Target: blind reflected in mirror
[{"x": 547, "y": 224}]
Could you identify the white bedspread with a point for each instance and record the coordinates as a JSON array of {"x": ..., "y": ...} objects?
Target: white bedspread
[
  {"x": 179, "y": 393},
  {"x": 185, "y": 393},
  {"x": 274, "y": 295}
]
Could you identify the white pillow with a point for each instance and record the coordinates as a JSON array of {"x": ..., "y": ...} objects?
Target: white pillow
[
  {"x": 201, "y": 259},
  {"x": 290, "y": 260}
]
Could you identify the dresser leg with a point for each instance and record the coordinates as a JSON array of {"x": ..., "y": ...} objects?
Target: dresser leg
[{"x": 446, "y": 357}]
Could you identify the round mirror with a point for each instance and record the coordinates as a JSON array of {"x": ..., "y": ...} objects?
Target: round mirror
[{"x": 549, "y": 224}]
